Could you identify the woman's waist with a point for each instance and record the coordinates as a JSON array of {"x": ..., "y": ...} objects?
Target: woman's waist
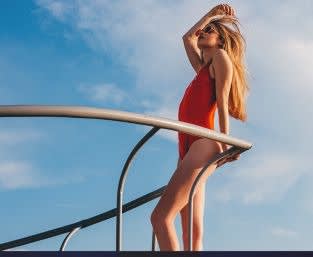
[
  {"x": 198, "y": 108},
  {"x": 204, "y": 120},
  {"x": 207, "y": 125}
]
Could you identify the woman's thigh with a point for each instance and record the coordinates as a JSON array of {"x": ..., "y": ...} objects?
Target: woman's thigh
[
  {"x": 197, "y": 213},
  {"x": 198, "y": 210},
  {"x": 176, "y": 194}
]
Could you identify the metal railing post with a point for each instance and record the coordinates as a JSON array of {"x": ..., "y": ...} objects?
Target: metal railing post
[
  {"x": 122, "y": 183},
  {"x": 67, "y": 238},
  {"x": 215, "y": 159},
  {"x": 153, "y": 241}
]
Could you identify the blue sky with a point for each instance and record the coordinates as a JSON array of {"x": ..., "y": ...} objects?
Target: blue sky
[{"x": 55, "y": 171}]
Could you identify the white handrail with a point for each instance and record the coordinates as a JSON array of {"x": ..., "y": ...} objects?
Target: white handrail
[{"x": 108, "y": 114}]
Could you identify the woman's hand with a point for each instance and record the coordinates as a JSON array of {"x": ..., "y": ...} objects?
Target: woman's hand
[
  {"x": 234, "y": 157},
  {"x": 231, "y": 158},
  {"x": 222, "y": 9},
  {"x": 224, "y": 147}
]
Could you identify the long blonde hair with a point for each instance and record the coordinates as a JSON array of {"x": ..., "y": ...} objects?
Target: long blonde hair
[{"x": 234, "y": 44}]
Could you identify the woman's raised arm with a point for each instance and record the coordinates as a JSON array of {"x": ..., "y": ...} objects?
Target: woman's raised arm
[
  {"x": 190, "y": 38},
  {"x": 221, "y": 9}
]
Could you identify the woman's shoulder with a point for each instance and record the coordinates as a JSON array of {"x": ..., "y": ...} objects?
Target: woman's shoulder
[
  {"x": 220, "y": 54},
  {"x": 221, "y": 57}
]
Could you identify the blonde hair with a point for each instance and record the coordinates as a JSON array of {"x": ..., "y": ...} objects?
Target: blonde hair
[{"x": 234, "y": 44}]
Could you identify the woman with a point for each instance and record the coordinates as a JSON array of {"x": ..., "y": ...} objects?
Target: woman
[{"x": 215, "y": 48}]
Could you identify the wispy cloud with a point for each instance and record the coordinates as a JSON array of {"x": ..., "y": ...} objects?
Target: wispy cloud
[
  {"x": 141, "y": 41},
  {"x": 283, "y": 232},
  {"x": 58, "y": 9},
  {"x": 15, "y": 175},
  {"x": 15, "y": 136},
  {"x": 22, "y": 174},
  {"x": 104, "y": 93},
  {"x": 265, "y": 178}
]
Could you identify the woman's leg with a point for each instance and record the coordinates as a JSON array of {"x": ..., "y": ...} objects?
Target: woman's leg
[
  {"x": 197, "y": 220},
  {"x": 176, "y": 194}
]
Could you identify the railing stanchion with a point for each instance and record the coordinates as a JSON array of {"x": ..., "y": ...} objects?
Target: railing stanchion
[
  {"x": 217, "y": 158},
  {"x": 121, "y": 186},
  {"x": 153, "y": 241},
  {"x": 67, "y": 238}
]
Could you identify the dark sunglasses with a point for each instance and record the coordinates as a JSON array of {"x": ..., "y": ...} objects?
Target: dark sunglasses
[{"x": 207, "y": 29}]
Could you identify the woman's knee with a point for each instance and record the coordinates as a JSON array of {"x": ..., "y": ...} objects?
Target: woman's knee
[
  {"x": 154, "y": 217},
  {"x": 158, "y": 220},
  {"x": 158, "y": 216}
]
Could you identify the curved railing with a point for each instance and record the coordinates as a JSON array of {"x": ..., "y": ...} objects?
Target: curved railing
[{"x": 238, "y": 146}]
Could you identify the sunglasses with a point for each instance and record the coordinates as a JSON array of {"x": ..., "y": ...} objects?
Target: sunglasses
[{"x": 207, "y": 29}]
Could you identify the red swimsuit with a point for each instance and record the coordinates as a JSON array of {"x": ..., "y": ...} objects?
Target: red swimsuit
[{"x": 197, "y": 107}]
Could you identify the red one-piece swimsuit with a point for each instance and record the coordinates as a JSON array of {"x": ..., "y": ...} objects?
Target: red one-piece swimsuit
[{"x": 197, "y": 106}]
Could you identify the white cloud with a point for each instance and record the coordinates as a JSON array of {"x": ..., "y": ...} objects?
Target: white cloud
[
  {"x": 23, "y": 174},
  {"x": 264, "y": 178},
  {"x": 283, "y": 232},
  {"x": 14, "y": 136},
  {"x": 59, "y": 9},
  {"x": 142, "y": 41},
  {"x": 104, "y": 93},
  {"x": 17, "y": 175}
]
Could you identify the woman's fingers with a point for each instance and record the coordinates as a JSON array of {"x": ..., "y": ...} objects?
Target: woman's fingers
[
  {"x": 221, "y": 162},
  {"x": 232, "y": 11},
  {"x": 222, "y": 9},
  {"x": 229, "y": 159},
  {"x": 234, "y": 157},
  {"x": 227, "y": 9},
  {"x": 218, "y": 9}
]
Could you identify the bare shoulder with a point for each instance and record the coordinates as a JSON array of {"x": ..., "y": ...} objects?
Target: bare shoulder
[
  {"x": 221, "y": 58},
  {"x": 223, "y": 67}
]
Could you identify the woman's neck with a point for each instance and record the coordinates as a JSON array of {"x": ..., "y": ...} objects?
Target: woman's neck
[{"x": 208, "y": 53}]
